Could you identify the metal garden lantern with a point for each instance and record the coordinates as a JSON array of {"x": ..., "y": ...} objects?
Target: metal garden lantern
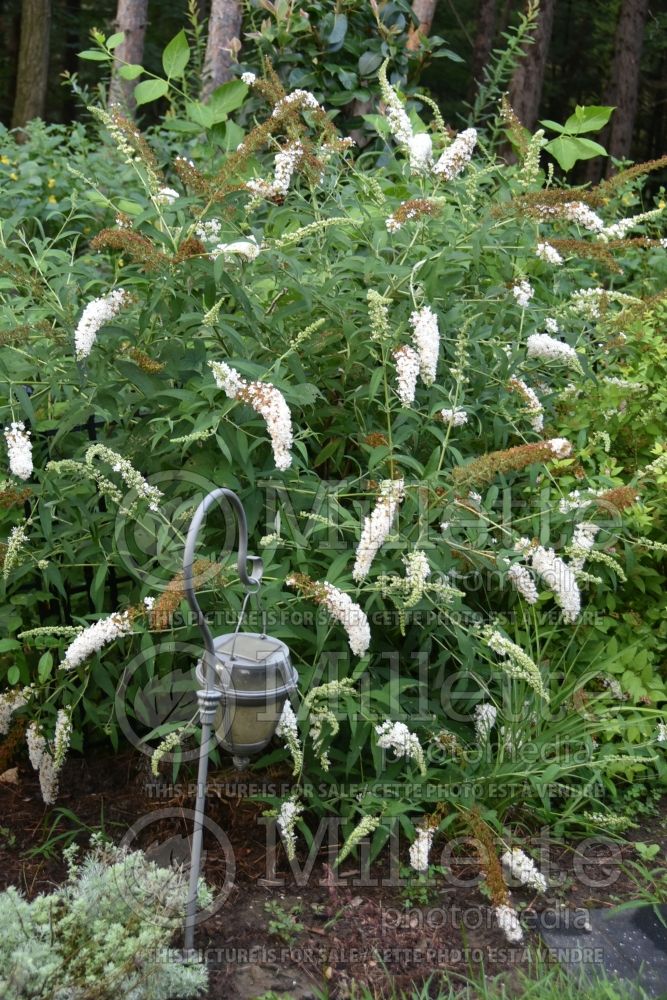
[{"x": 245, "y": 679}]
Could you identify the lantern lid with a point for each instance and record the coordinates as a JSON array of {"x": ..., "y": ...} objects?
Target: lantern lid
[{"x": 250, "y": 648}]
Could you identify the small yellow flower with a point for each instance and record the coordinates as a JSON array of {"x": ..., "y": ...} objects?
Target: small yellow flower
[
  {"x": 53, "y": 200},
  {"x": 662, "y": 203},
  {"x": 13, "y": 176},
  {"x": 51, "y": 183},
  {"x": 121, "y": 262},
  {"x": 5, "y": 160}
]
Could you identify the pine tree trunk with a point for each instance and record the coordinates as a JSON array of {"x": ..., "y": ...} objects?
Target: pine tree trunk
[
  {"x": 424, "y": 11},
  {"x": 223, "y": 44},
  {"x": 528, "y": 79},
  {"x": 33, "y": 66},
  {"x": 624, "y": 85},
  {"x": 131, "y": 18},
  {"x": 484, "y": 36}
]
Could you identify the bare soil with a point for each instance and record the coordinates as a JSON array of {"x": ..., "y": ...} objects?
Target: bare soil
[{"x": 329, "y": 929}]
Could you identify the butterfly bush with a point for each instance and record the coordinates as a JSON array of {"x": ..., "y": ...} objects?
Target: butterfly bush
[{"x": 379, "y": 354}]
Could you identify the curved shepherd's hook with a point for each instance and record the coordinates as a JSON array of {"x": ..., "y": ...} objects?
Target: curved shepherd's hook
[{"x": 250, "y": 580}]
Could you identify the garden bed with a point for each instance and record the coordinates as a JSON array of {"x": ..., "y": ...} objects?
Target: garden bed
[{"x": 330, "y": 931}]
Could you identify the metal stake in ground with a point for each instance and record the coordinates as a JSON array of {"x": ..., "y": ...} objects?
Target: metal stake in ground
[{"x": 245, "y": 679}]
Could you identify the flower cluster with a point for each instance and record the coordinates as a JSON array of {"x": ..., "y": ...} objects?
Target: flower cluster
[
  {"x": 130, "y": 476},
  {"x": 266, "y": 400},
  {"x": 426, "y": 337},
  {"x": 457, "y": 156},
  {"x": 340, "y": 606},
  {"x": 524, "y": 870},
  {"x": 396, "y": 115},
  {"x": 549, "y": 254},
  {"x": 546, "y": 348},
  {"x": 289, "y": 813},
  {"x": 94, "y": 316},
  {"x": 421, "y": 848},
  {"x": 407, "y": 370},
  {"x": 377, "y": 527},
  {"x": 560, "y": 579},
  {"x": 508, "y": 922},
  {"x": 582, "y": 542},
  {"x": 284, "y": 164},
  {"x": 43, "y": 761},
  {"x": 455, "y": 418},
  {"x": 420, "y": 147},
  {"x": 10, "y": 702},
  {"x": 96, "y": 637},
  {"x": 288, "y": 731},
  {"x": 18, "y": 538},
  {"x": 523, "y": 582},
  {"x": 533, "y": 405},
  {"x": 397, "y": 737},
  {"x": 485, "y": 716},
  {"x": 19, "y": 449},
  {"x": 378, "y": 314},
  {"x": 523, "y": 292},
  {"x": 517, "y": 663}
]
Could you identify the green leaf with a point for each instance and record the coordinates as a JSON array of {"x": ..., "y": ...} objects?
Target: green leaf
[
  {"x": 13, "y": 675},
  {"x": 94, "y": 55},
  {"x": 199, "y": 114},
  {"x": 150, "y": 90},
  {"x": 131, "y": 71},
  {"x": 113, "y": 41},
  {"x": 227, "y": 97},
  {"x": 554, "y": 126},
  {"x": 176, "y": 55},
  {"x": 369, "y": 62},
  {"x": 566, "y": 150},
  {"x": 339, "y": 30},
  {"x": 588, "y": 119},
  {"x": 45, "y": 666}
]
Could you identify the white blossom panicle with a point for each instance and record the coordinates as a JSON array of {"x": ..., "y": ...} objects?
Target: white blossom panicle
[
  {"x": 522, "y": 868},
  {"x": 457, "y": 156},
  {"x": 10, "y": 702},
  {"x": 94, "y": 316},
  {"x": 378, "y": 315},
  {"x": 547, "y": 348},
  {"x": 209, "y": 230},
  {"x": 582, "y": 543},
  {"x": 245, "y": 249},
  {"x": 548, "y": 254},
  {"x": 661, "y": 734},
  {"x": 149, "y": 603},
  {"x": 366, "y": 825},
  {"x": 426, "y": 337},
  {"x": 266, "y": 400},
  {"x": 523, "y": 292},
  {"x": 377, "y": 527},
  {"x": 397, "y": 117},
  {"x": 533, "y": 405},
  {"x": 485, "y": 719},
  {"x": 455, "y": 418},
  {"x": 508, "y": 922},
  {"x": 96, "y": 637},
  {"x": 299, "y": 98},
  {"x": 560, "y": 579},
  {"x": 165, "y": 746},
  {"x": 618, "y": 230},
  {"x": 551, "y": 325},
  {"x": 36, "y": 744},
  {"x": 420, "y": 849},
  {"x": 19, "y": 449},
  {"x": 248, "y": 78},
  {"x": 285, "y": 163},
  {"x": 421, "y": 153},
  {"x": 407, "y": 370},
  {"x": 341, "y": 607},
  {"x": 397, "y": 737},
  {"x": 523, "y": 582},
  {"x": 588, "y": 302},
  {"x": 517, "y": 663},
  {"x": 166, "y": 196},
  {"x": 42, "y": 761},
  {"x": 130, "y": 476},
  {"x": 573, "y": 211},
  {"x": 18, "y": 539},
  {"x": 61, "y": 737},
  {"x": 289, "y": 813},
  {"x": 560, "y": 447},
  {"x": 288, "y": 731}
]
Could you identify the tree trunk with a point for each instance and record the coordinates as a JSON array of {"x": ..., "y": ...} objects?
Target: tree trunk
[
  {"x": 624, "y": 84},
  {"x": 33, "y": 66},
  {"x": 526, "y": 85},
  {"x": 486, "y": 31},
  {"x": 424, "y": 11},
  {"x": 223, "y": 44},
  {"x": 131, "y": 18}
]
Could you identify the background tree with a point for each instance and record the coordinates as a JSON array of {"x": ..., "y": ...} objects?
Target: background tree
[
  {"x": 33, "y": 62},
  {"x": 623, "y": 90},
  {"x": 484, "y": 37},
  {"x": 224, "y": 42},
  {"x": 424, "y": 11},
  {"x": 528, "y": 79},
  {"x": 131, "y": 19}
]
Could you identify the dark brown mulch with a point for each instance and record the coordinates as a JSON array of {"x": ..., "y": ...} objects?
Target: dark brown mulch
[{"x": 349, "y": 930}]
